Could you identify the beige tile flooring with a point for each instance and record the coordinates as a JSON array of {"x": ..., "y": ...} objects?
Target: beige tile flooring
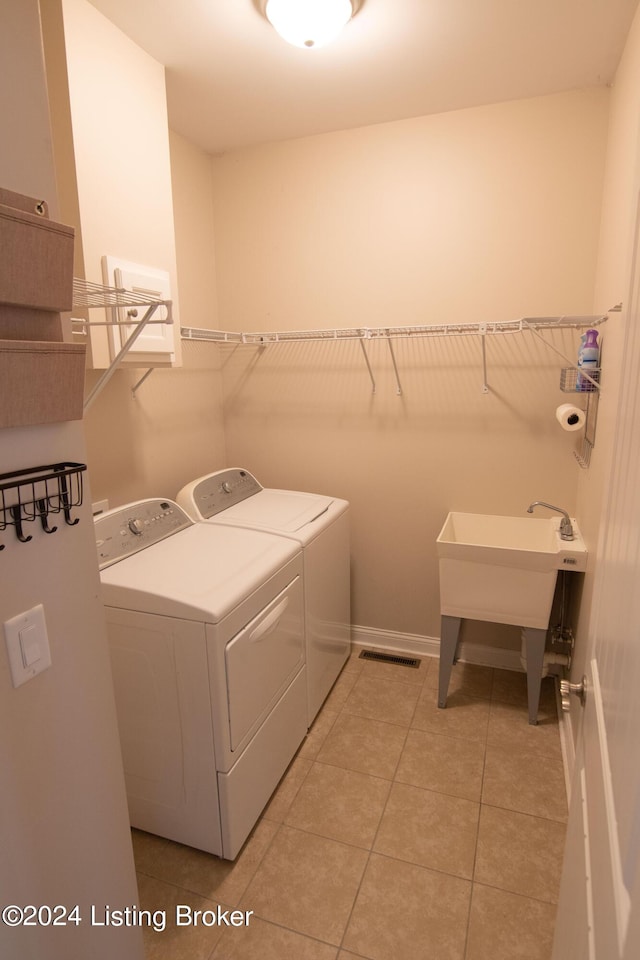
[{"x": 399, "y": 832}]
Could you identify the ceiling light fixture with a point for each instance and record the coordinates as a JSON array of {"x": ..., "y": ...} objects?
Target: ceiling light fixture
[{"x": 309, "y": 23}]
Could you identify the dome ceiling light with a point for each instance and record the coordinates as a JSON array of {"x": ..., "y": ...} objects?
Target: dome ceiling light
[{"x": 309, "y": 23}]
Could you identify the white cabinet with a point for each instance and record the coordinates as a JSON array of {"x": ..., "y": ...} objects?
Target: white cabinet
[{"x": 156, "y": 342}]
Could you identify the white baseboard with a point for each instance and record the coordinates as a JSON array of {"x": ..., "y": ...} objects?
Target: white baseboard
[
  {"x": 418, "y": 645},
  {"x": 398, "y": 642}
]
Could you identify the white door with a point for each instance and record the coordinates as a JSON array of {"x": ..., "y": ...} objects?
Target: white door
[{"x": 599, "y": 907}]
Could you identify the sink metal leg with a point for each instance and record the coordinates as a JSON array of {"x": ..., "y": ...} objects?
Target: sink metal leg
[
  {"x": 449, "y": 641},
  {"x": 535, "y": 640}
]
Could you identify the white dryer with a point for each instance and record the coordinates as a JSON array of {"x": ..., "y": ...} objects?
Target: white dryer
[
  {"x": 320, "y": 525},
  {"x": 206, "y": 636}
]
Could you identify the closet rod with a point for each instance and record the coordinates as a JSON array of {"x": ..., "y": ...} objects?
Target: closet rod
[{"x": 395, "y": 333}]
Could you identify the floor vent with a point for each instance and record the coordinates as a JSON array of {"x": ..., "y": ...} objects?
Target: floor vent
[{"x": 389, "y": 658}]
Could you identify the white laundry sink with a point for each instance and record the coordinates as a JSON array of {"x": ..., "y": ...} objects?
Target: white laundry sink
[{"x": 504, "y": 569}]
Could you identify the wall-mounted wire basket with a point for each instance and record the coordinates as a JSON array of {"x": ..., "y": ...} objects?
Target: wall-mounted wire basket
[
  {"x": 571, "y": 380},
  {"x": 38, "y": 494}
]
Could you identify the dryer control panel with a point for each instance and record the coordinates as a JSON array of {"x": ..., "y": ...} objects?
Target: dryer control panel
[
  {"x": 126, "y": 530},
  {"x": 223, "y": 489}
]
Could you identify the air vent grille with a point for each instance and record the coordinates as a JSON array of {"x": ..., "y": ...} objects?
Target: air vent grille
[{"x": 389, "y": 658}]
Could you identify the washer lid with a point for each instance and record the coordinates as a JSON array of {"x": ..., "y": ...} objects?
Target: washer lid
[
  {"x": 200, "y": 573},
  {"x": 284, "y": 510},
  {"x": 235, "y": 496}
]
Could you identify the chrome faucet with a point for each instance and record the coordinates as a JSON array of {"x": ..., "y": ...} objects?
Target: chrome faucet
[{"x": 566, "y": 530}]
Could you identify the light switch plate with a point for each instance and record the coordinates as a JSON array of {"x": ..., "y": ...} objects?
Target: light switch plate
[{"x": 27, "y": 645}]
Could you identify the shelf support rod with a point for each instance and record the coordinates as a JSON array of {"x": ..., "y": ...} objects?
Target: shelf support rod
[
  {"x": 366, "y": 360},
  {"x": 109, "y": 372},
  {"x": 395, "y": 367},
  {"x": 483, "y": 334},
  {"x": 141, "y": 381}
]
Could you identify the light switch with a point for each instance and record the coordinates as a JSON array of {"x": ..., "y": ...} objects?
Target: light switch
[{"x": 27, "y": 645}]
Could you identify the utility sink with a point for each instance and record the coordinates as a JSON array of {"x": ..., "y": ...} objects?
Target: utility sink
[{"x": 504, "y": 569}]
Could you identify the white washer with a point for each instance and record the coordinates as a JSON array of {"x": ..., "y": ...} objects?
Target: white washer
[
  {"x": 206, "y": 635},
  {"x": 320, "y": 525}
]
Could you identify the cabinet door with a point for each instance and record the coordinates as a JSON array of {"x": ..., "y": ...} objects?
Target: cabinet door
[
  {"x": 262, "y": 660},
  {"x": 156, "y": 342}
]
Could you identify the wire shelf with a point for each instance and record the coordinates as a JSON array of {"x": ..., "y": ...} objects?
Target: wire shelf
[
  {"x": 37, "y": 494},
  {"x": 392, "y": 333},
  {"x": 88, "y": 294},
  {"x": 210, "y": 336}
]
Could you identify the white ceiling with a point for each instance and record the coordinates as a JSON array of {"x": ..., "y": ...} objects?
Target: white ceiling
[{"x": 232, "y": 81}]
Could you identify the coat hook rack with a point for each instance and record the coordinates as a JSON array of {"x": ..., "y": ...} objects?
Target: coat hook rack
[{"x": 39, "y": 493}]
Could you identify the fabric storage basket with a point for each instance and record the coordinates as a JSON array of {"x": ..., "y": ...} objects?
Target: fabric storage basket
[
  {"x": 40, "y": 382},
  {"x": 36, "y": 270},
  {"x": 36, "y": 267}
]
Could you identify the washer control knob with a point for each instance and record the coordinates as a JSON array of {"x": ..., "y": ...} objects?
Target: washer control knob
[
  {"x": 226, "y": 487},
  {"x": 135, "y": 526}
]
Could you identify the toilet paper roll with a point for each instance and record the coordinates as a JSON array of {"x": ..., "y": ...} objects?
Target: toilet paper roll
[{"x": 569, "y": 417}]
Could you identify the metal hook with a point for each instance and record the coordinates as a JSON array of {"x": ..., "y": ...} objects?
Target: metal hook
[
  {"x": 17, "y": 519},
  {"x": 66, "y": 505},
  {"x": 44, "y": 517}
]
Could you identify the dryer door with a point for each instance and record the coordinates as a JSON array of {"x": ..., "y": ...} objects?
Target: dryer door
[
  {"x": 262, "y": 660},
  {"x": 159, "y": 668}
]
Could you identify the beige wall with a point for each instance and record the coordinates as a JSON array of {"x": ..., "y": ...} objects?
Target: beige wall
[
  {"x": 23, "y": 108},
  {"x": 132, "y": 190},
  {"x": 118, "y": 121},
  {"x": 172, "y": 431},
  {"x": 479, "y": 215}
]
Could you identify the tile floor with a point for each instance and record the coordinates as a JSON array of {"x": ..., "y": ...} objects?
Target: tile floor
[{"x": 399, "y": 832}]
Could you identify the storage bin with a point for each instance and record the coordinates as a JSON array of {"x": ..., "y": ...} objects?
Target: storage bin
[
  {"x": 25, "y": 323},
  {"x": 36, "y": 267},
  {"x": 40, "y": 382}
]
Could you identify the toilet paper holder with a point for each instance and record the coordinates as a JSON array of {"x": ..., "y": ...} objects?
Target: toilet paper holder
[{"x": 591, "y": 393}]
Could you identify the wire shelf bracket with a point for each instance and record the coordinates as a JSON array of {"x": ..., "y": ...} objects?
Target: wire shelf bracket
[{"x": 88, "y": 295}]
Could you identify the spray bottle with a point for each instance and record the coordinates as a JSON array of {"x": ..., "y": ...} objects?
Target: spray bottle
[{"x": 588, "y": 360}]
